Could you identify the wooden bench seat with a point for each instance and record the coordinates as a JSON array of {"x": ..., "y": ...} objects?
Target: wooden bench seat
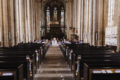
[
  {"x": 17, "y": 60},
  {"x": 11, "y": 72},
  {"x": 101, "y": 71},
  {"x": 90, "y": 55},
  {"x": 15, "y": 56}
]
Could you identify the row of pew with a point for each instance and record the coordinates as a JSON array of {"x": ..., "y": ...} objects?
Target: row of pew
[
  {"x": 22, "y": 61},
  {"x": 92, "y": 62}
]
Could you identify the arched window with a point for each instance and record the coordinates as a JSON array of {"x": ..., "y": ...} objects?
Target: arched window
[
  {"x": 62, "y": 16},
  {"x": 48, "y": 16}
]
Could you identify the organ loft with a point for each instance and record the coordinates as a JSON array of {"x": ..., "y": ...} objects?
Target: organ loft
[{"x": 59, "y": 39}]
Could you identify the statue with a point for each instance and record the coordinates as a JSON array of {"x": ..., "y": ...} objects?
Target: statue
[{"x": 55, "y": 14}]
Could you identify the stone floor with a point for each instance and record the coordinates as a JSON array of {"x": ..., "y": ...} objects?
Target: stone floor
[{"x": 54, "y": 67}]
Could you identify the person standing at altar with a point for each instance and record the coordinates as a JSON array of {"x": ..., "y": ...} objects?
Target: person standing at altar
[{"x": 54, "y": 42}]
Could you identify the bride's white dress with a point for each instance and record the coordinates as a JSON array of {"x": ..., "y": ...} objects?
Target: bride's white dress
[{"x": 54, "y": 43}]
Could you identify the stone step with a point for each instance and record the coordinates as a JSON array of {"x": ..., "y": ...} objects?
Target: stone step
[
  {"x": 53, "y": 75},
  {"x": 54, "y": 69},
  {"x": 50, "y": 72},
  {"x": 53, "y": 78},
  {"x": 54, "y": 65}
]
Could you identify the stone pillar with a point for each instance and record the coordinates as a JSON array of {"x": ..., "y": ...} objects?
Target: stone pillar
[
  {"x": 90, "y": 23},
  {"x": 86, "y": 21},
  {"x": 17, "y": 36},
  {"x": 38, "y": 25},
  {"x": 27, "y": 21},
  {"x": 1, "y": 25},
  {"x": 76, "y": 16},
  {"x": 21, "y": 20},
  {"x": 105, "y": 23},
  {"x": 73, "y": 13},
  {"x": 82, "y": 20},
  {"x": 34, "y": 20},
  {"x": 68, "y": 18},
  {"x": 79, "y": 17},
  {"x": 31, "y": 23},
  {"x": 94, "y": 38},
  {"x": 85, "y": 34},
  {"x": 100, "y": 21},
  {"x": 118, "y": 46},
  {"x": 41, "y": 20},
  {"x": 5, "y": 22},
  {"x": 11, "y": 22},
  {"x": 32, "y": 17},
  {"x": 24, "y": 20}
]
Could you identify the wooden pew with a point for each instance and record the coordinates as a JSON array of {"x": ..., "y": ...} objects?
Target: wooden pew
[
  {"x": 11, "y": 71},
  {"x": 27, "y": 65},
  {"x": 36, "y": 54},
  {"x": 88, "y": 53},
  {"x": 101, "y": 71},
  {"x": 18, "y": 55},
  {"x": 98, "y": 59}
]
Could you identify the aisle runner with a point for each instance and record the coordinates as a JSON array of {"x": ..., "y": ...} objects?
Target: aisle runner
[{"x": 54, "y": 67}]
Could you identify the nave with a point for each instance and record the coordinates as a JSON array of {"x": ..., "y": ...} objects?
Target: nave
[
  {"x": 54, "y": 67},
  {"x": 88, "y": 31}
]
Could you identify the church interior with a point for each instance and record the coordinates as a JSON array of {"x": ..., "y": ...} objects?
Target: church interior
[{"x": 59, "y": 39}]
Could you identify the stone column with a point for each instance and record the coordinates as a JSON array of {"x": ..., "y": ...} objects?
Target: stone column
[
  {"x": 118, "y": 46},
  {"x": 11, "y": 22},
  {"x": 82, "y": 20},
  {"x": 85, "y": 34},
  {"x": 17, "y": 36},
  {"x": 94, "y": 38},
  {"x": 1, "y": 25},
  {"x": 34, "y": 19},
  {"x": 90, "y": 23},
  {"x": 78, "y": 17},
  {"x": 21, "y": 20},
  {"x": 66, "y": 21},
  {"x": 30, "y": 26},
  {"x": 41, "y": 20},
  {"x": 27, "y": 21},
  {"x": 100, "y": 22},
  {"x": 24, "y": 20},
  {"x": 68, "y": 18},
  {"x": 31, "y": 23},
  {"x": 5, "y": 22},
  {"x": 105, "y": 19},
  {"x": 73, "y": 13},
  {"x": 38, "y": 25}
]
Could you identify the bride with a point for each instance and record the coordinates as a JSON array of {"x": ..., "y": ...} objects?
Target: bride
[{"x": 54, "y": 42}]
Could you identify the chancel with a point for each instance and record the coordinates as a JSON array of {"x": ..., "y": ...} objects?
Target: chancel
[{"x": 59, "y": 39}]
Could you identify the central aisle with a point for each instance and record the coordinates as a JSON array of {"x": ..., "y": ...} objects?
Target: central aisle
[{"x": 54, "y": 67}]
